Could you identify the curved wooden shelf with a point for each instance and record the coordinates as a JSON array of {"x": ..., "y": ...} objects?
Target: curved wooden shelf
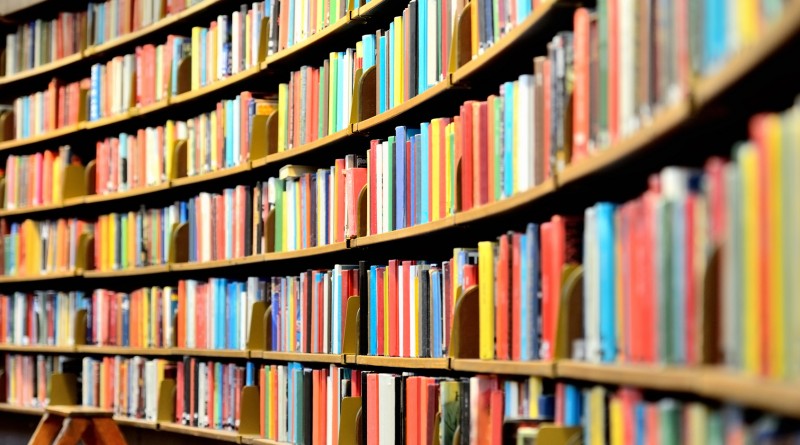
[
  {"x": 321, "y": 143},
  {"x": 204, "y": 265},
  {"x": 41, "y": 69},
  {"x": 505, "y": 205},
  {"x": 302, "y": 253},
  {"x": 139, "y": 191},
  {"x": 507, "y": 367},
  {"x": 394, "y": 113},
  {"x": 404, "y": 362},
  {"x": 29, "y": 210},
  {"x": 407, "y": 232},
  {"x": 281, "y": 56},
  {"x": 214, "y": 353},
  {"x": 255, "y": 440},
  {"x": 38, "y": 349},
  {"x": 32, "y": 278},
  {"x": 46, "y": 137},
  {"x": 111, "y": 120},
  {"x": 662, "y": 378},
  {"x": 769, "y": 395},
  {"x": 222, "y": 435},
  {"x": 302, "y": 357},
  {"x": 122, "y": 350},
  {"x": 213, "y": 86},
  {"x": 132, "y": 272},
  {"x": 136, "y": 423},
  {"x": 19, "y": 409},
  {"x": 210, "y": 176}
]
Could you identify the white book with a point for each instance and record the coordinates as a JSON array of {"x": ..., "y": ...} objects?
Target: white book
[
  {"x": 433, "y": 43},
  {"x": 524, "y": 124},
  {"x": 413, "y": 312},
  {"x": 401, "y": 309},
  {"x": 591, "y": 288},
  {"x": 326, "y": 317},
  {"x": 386, "y": 407},
  {"x": 282, "y": 408},
  {"x": 236, "y": 43}
]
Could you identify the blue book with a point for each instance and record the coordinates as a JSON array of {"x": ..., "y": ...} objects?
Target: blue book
[
  {"x": 368, "y": 42},
  {"x": 373, "y": 314},
  {"x": 126, "y": 319},
  {"x": 249, "y": 373},
  {"x": 290, "y": 34},
  {"x": 422, "y": 41},
  {"x": 218, "y": 371},
  {"x": 572, "y": 406},
  {"x": 184, "y": 211},
  {"x": 412, "y": 180},
  {"x": 382, "y": 78},
  {"x": 94, "y": 95},
  {"x": 436, "y": 303},
  {"x": 606, "y": 263},
  {"x": 425, "y": 179},
  {"x": 400, "y": 177},
  {"x": 715, "y": 38},
  {"x": 203, "y": 57},
  {"x": 508, "y": 138}
]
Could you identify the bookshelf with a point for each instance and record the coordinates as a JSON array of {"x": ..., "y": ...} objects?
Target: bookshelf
[{"x": 681, "y": 120}]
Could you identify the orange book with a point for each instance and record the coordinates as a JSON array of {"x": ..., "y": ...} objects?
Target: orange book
[
  {"x": 315, "y": 409},
  {"x": 412, "y": 416},
  {"x": 491, "y": 149},
  {"x": 503, "y": 306},
  {"x": 322, "y": 420},
  {"x": 334, "y": 404},
  {"x": 580, "y": 116}
]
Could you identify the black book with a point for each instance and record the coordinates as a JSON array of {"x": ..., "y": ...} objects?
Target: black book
[
  {"x": 187, "y": 379},
  {"x": 399, "y": 408},
  {"x": 464, "y": 424}
]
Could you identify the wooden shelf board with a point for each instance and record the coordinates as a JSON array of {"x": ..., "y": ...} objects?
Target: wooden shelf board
[
  {"x": 29, "y": 210},
  {"x": 213, "y": 353},
  {"x": 755, "y": 392},
  {"x": 19, "y": 409},
  {"x": 222, "y": 435},
  {"x": 122, "y": 350},
  {"x": 301, "y": 357},
  {"x": 16, "y": 143},
  {"x": 202, "y": 265},
  {"x": 32, "y": 278},
  {"x": 41, "y": 69},
  {"x": 301, "y": 253},
  {"x": 662, "y": 124},
  {"x": 656, "y": 377},
  {"x": 505, "y": 205},
  {"x": 321, "y": 143},
  {"x": 256, "y": 440},
  {"x": 153, "y": 107},
  {"x": 404, "y": 362},
  {"x": 136, "y": 423},
  {"x": 509, "y": 40},
  {"x": 74, "y": 202},
  {"x": 420, "y": 229},
  {"x": 311, "y": 41},
  {"x": 139, "y": 191},
  {"x": 204, "y": 177},
  {"x": 708, "y": 88},
  {"x": 350, "y": 359},
  {"x": 132, "y": 272},
  {"x": 414, "y": 102},
  {"x": 213, "y": 86},
  {"x": 110, "y": 120},
  {"x": 532, "y": 368},
  {"x": 38, "y": 349}
]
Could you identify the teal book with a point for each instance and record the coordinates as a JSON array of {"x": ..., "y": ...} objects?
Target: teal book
[
  {"x": 382, "y": 76},
  {"x": 607, "y": 277},
  {"x": 508, "y": 138}
]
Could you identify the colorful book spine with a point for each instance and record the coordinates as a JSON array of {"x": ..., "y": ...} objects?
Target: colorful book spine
[
  {"x": 43, "y": 41},
  {"x": 112, "y": 19},
  {"x": 57, "y": 107},
  {"x": 143, "y": 318},
  {"x": 216, "y": 314},
  {"x": 295, "y": 22},
  {"x": 128, "y": 386},
  {"x": 208, "y": 393},
  {"x": 39, "y": 318},
  {"x": 27, "y": 378},
  {"x": 113, "y": 87},
  {"x": 304, "y": 405},
  {"x": 135, "y": 239},
  {"x": 36, "y": 180},
  {"x": 39, "y": 247}
]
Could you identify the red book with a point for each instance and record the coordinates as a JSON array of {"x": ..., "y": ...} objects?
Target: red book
[
  {"x": 580, "y": 115},
  {"x": 560, "y": 400},
  {"x": 210, "y": 399},
  {"x": 423, "y": 415},
  {"x": 482, "y": 150},
  {"x": 220, "y": 226},
  {"x": 406, "y": 301},
  {"x": 549, "y": 290},
  {"x": 381, "y": 316},
  {"x": 516, "y": 297},
  {"x": 372, "y": 189},
  {"x": 649, "y": 304},
  {"x": 502, "y": 301},
  {"x": 333, "y": 408},
  {"x": 470, "y": 276},
  {"x": 323, "y": 412},
  {"x": 412, "y": 415},
  {"x": 372, "y": 409},
  {"x": 496, "y": 409},
  {"x": 491, "y": 150},
  {"x": 339, "y": 223},
  {"x": 393, "y": 310},
  {"x": 315, "y": 406}
]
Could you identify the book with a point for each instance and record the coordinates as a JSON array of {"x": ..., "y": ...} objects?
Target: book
[
  {"x": 27, "y": 378},
  {"x": 44, "y": 111},
  {"x": 37, "y": 179},
  {"x": 39, "y": 318},
  {"x": 38, "y": 247}
]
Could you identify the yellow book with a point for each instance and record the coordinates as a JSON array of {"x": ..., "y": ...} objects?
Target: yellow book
[
  {"x": 113, "y": 233},
  {"x": 385, "y": 291},
  {"x": 247, "y": 50},
  {"x": 748, "y": 163},
  {"x": 486, "y": 299},
  {"x": 153, "y": 321},
  {"x": 474, "y": 13},
  {"x": 359, "y": 50},
  {"x": 775, "y": 317},
  {"x": 749, "y": 16},
  {"x": 283, "y": 116},
  {"x": 169, "y": 139},
  {"x": 793, "y": 205},
  {"x": 597, "y": 412},
  {"x": 436, "y": 169},
  {"x": 57, "y": 186},
  {"x": 196, "y": 32},
  {"x": 534, "y": 392},
  {"x": 397, "y": 62},
  {"x": 697, "y": 422},
  {"x": 448, "y": 172},
  {"x": 617, "y": 429}
]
